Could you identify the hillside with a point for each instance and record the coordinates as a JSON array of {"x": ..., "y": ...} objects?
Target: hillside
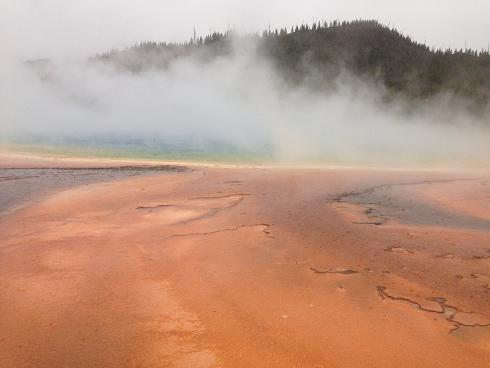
[{"x": 365, "y": 48}]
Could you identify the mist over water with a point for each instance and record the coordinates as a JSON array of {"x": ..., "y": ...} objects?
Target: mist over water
[{"x": 231, "y": 108}]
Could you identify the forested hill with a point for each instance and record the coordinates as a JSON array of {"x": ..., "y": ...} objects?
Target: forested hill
[{"x": 365, "y": 48}]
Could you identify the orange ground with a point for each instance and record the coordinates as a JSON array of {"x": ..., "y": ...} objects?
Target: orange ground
[{"x": 242, "y": 267}]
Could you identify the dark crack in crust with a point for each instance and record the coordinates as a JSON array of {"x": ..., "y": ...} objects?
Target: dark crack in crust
[
  {"x": 265, "y": 230},
  {"x": 214, "y": 211},
  {"x": 343, "y": 271},
  {"x": 155, "y": 207},
  {"x": 450, "y": 312},
  {"x": 220, "y": 197}
]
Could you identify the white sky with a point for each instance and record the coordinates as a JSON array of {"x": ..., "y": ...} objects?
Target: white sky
[{"x": 74, "y": 28}]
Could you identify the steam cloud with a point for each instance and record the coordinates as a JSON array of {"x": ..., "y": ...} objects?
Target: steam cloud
[{"x": 242, "y": 101}]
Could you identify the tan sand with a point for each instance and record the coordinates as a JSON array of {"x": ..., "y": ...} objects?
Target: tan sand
[
  {"x": 241, "y": 267},
  {"x": 10, "y": 159}
]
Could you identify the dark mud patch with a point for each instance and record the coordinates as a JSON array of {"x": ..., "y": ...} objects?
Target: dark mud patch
[
  {"x": 399, "y": 202},
  {"x": 18, "y": 186}
]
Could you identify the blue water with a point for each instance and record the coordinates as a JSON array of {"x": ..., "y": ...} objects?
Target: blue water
[{"x": 141, "y": 148}]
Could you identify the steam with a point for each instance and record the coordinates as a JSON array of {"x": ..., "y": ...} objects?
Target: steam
[{"x": 242, "y": 102}]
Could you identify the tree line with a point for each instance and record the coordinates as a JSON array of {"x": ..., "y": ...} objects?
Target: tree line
[{"x": 366, "y": 48}]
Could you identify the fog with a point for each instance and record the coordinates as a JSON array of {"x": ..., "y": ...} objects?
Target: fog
[
  {"x": 67, "y": 28},
  {"x": 239, "y": 101}
]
